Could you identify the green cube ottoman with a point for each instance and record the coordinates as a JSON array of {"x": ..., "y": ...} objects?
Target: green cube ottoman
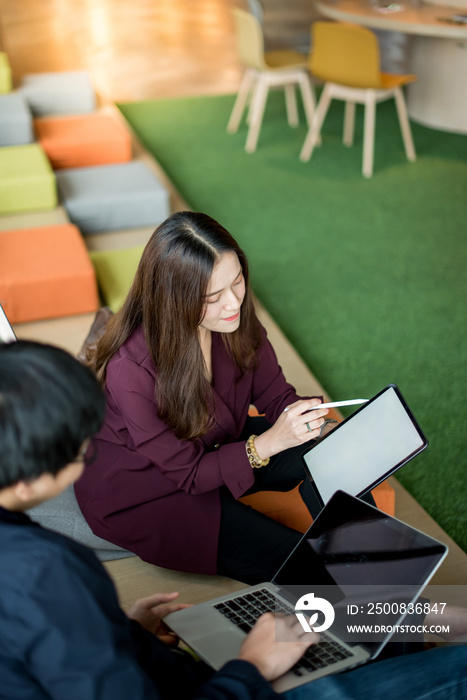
[
  {"x": 115, "y": 270},
  {"x": 27, "y": 181},
  {"x": 5, "y": 73}
]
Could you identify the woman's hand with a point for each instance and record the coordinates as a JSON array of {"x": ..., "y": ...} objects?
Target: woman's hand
[
  {"x": 150, "y": 611},
  {"x": 275, "y": 644},
  {"x": 295, "y": 426}
]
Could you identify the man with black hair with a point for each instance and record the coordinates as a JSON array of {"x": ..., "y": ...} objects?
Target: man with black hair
[{"x": 62, "y": 633}]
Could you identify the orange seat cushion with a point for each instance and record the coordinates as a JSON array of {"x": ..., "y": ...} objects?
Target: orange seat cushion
[
  {"x": 289, "y": 509},
  {"x": 45, "y": 272},
  {"x": 80, "y": 141},
  {"x": 286, "y": 507}
]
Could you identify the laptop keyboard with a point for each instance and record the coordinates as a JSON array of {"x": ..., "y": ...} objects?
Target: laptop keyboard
[{"x": 244, "y": 610}]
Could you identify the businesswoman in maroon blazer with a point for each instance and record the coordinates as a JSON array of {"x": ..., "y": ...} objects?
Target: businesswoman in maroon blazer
[{"x": 181, "y": 362}]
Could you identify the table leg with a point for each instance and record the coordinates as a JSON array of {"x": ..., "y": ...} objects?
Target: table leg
[{"x": 439, "y": 98}]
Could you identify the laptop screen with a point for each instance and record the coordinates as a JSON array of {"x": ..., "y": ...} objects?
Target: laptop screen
[
  {"x": 6, "y": 331},
  {"x": 355, "y": 557},
  {"x": 352, "y": 543},
  {"x": 365, "y": 448}
]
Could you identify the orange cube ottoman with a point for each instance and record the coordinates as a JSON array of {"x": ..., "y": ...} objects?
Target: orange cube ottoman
[
  {"x": 45, "y": 272},
  {"x": 83, "y": 140}
]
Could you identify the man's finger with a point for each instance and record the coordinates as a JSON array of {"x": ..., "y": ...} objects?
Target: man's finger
[{"x": 156, "y": 599}]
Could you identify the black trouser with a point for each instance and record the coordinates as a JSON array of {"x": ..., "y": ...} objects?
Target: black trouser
[{"x": 252, "y": 547}]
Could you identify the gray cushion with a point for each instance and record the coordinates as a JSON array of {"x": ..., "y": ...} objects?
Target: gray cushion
[
  {"x": 15, "y": 121},
  {"x": 63, "y": 514},
  {"x": 68, "y": 92},
  {"x": 112, "y": 197}
]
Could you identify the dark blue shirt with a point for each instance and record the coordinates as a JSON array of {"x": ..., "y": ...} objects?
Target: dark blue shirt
[{"x": 63, "y": 634}]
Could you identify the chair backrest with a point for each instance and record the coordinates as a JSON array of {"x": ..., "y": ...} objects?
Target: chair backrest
[
  {"x": 346, "y": 54},
  {"x": 250, "y": 40}
]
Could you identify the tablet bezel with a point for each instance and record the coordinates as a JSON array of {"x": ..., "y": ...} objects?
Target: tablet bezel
[
  {"x": 7, "y": 334},
  {"x": 391, "y": 471}
]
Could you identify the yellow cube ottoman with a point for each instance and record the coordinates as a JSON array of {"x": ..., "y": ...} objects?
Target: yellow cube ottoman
[
  {"x": 27, "y": 181},
  {"x": 5, "y": 73}
]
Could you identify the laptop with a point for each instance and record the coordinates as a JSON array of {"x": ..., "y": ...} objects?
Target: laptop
[
  {"x": 366, "y": 448},
  {"x": 352, "y": 555},
  {"x": 6, "y": 331}
]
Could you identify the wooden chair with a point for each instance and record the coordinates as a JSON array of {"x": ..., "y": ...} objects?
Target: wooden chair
[
  {"x": 346, "y": 57},
  {"x": 281, "y": 68}
]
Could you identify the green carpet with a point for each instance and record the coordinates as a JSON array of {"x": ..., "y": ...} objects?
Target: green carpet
[{"x": 367, "y": 278}]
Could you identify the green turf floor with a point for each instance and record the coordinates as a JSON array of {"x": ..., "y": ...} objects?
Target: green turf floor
[{"x": 367, "y": 278}]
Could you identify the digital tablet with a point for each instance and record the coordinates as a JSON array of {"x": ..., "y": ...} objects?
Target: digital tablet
[
  {"x": 366, "y": 448},
  {"x": 6, "y": 331}
]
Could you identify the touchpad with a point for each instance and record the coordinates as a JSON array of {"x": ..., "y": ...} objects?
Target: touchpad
[{"x": 219, "y": 647}]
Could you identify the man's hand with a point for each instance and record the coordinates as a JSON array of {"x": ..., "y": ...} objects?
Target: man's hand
[
  {"x": 274, "y": 658},
  {"x": 150, "y": 611},
  {"x": 453, "y": 617}
]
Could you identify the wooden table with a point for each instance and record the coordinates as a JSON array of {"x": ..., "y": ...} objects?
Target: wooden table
[{"x": 437, "y": 55}]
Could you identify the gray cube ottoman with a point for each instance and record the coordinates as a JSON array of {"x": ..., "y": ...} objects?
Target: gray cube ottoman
[
  {"x": 63, "y": 515},
  {"x": 68, "y": 92},
  {"x": 112, "y": 197},
  {"x": 15, "y": 121}
]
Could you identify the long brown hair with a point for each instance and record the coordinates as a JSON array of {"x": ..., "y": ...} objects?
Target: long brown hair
[{"x": 167, "y": 299}]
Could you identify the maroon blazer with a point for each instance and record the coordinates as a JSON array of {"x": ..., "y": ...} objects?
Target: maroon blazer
[{"x": 154, "y": 494}]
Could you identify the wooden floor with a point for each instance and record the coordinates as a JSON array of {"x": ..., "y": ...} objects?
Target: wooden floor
[{"x": 153, "y": 49}]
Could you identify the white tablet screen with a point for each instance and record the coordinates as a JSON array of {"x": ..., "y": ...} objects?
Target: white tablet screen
[
  {"x": 361, "y": 451},
  {"x": 6, "y": 331}
]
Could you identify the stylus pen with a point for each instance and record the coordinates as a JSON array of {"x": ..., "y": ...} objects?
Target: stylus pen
[{"x": 335, "y": 404}]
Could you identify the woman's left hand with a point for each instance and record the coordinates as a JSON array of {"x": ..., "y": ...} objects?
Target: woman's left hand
[{"x": 150, "y": 611}]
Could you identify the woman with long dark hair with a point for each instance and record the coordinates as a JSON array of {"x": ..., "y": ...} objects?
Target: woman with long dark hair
[{"x": 181, "y": 363}]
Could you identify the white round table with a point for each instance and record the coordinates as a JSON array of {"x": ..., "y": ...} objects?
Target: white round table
[{"x": 437, "y": 55}]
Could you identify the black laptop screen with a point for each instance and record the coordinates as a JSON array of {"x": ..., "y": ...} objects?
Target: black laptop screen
[{"x": 352, "y": 544}]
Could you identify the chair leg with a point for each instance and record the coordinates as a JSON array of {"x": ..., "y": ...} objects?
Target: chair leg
[
  {"x": 313, "y": 135},
  {"x": 291, "y": 105},
  {"x": 369, "y": 134},
  {"x": 240, "y": 102},
  {"x": 349, "y": 123},
  {"x": 404, "y": 125},
  {"x": 307, "y": 91},
  {"x": 249, "y": 100},
  {"x": 258, "y": 104}
]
